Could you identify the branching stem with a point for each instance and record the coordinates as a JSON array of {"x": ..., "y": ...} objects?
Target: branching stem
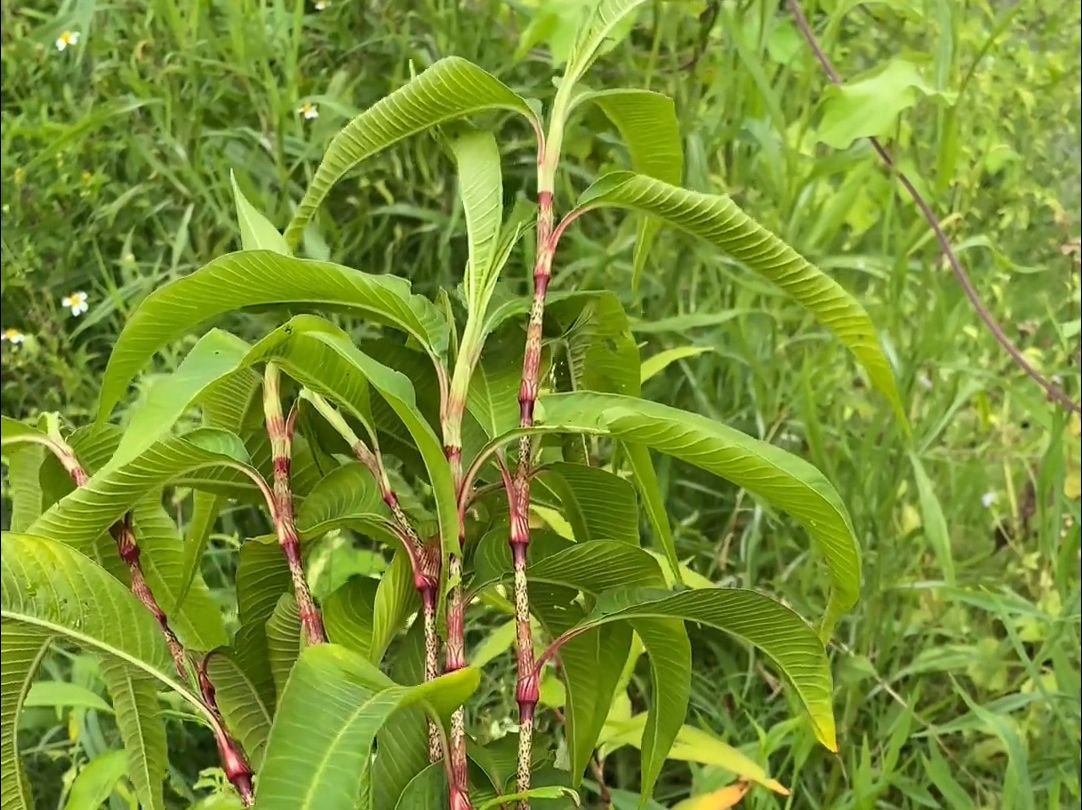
[
  {"x": 280, "y": 432},
  {"x": 234, "y": 763}
]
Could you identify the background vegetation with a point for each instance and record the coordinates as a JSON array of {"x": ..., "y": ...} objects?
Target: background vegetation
[{"x": 958, "y": 676}]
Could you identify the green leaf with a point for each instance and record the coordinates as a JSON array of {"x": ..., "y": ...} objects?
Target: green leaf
[
  {"x": 57, "y": 694},
  {"x": 319, "y": 751},
  {"x": 692, "y": 745},
  {"x": 95, "y": 781},
  {"x": 216, "y": 355},
  {"x": 27, "y": 499},
  {"x": 346, "y": 496},
  {"x": 751, "y": 617},
  {"x": 782, "y": 479},
  {"x": 546, "y": 792},
  {"x": 934, "y": 523},
  {"x": 609, "y": 22},
  {"x": 598, "y": 504},
  {"x": 599, "y": 348},
  {"x": 480, "y": 182},
  {"x": 718, "y": 220},
  {"x": 246, "y": 715},
  {"x": 256, "y": 231},
  {"x": 22, "y": 648},
  {"x": 396, "y": 600},
  {"x": 139, "y": 717},
  {"x": 197, "y": 619},
  {"x": 262, "y": 578},
  {"x": 870, "y": 106},
  {"x": 647, "y": 123},
  {"x": 86, "y": 513},
  {"x": 655, "y": 364},
  {"x": 297, "y": 345},
  {"x": 261, "y": 278},
  {"x": 653, "y": 501},
  {"x": 426, "y": 790},
  {"x": 283, "y": 640},
  {"x": 347, "y": 614},
  {"x": 450, "y": 89}
]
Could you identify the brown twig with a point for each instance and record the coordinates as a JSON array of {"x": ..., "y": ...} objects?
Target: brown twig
[{"x": 1052, "y": 391}]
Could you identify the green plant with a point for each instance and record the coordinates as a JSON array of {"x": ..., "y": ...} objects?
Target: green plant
[{"x": 297, "y": 695}]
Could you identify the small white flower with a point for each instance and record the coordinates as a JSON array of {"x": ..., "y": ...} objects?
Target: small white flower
[
  {"x": 76, "y": 302},
  {"x": 323, "y": 5},
  {"x": 67, "y": 38},
  {"x": 988, "y": 499},
  {"x": 309, "y": 110},
  {"x": 13, "y": 336},
  {"x": 924, "y": 381}
]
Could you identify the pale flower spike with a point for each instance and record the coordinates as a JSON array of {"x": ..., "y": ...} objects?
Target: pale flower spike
[
  {"x": 77, "y": 302},
  {"x": 309, "y": 110},
  {"x": 66, "y": 39}
]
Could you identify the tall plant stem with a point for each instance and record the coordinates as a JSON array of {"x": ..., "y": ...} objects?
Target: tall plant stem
[
  {"x": 424, "y": 557},
  {"x": 234, "y": 763},
  {"x": 1052, "y": 391},
  {"x": 280, "y": 433}
]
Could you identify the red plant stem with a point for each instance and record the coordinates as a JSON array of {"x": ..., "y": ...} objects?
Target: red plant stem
[
  {"x": 1052, "y": 391},
  {"x": 280, "y": 432},
  {"x": 234, "y": 763},
  {"x": 526, "y": 691}
]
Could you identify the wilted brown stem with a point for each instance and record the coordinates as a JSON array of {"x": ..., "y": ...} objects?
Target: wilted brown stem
[{"x": 280, "y": 433}]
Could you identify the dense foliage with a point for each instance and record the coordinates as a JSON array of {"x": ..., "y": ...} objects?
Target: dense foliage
[{"x": 395, "y": 393}]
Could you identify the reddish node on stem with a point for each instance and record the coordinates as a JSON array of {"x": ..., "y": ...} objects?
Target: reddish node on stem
[
  {"x": 459, "y": 799},
  {"x": 527, "y": 693}
]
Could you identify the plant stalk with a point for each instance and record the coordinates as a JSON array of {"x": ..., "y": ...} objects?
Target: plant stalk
[
  {"x": 280, "y": 432},
  {"x": 234, "y": 763}
]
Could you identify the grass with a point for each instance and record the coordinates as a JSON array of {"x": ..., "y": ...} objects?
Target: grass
[{"x": 958, "y": 675}]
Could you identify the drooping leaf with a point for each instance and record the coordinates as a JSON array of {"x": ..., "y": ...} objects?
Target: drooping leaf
[
  {"x": 751, "y": 617},
  {"x": 319, "y": 752},
  {"x": 645, "y": 478},
  {"x": 138, "y": 716},
  {"x": 22, "y": 648},
  {"x": 692, "y": 745},
  {"x": 450, "y": 89},
  {"x": 256, "y": 231},
  {"x": 718, "y": 220},
  {"x": 347, "y": 614},
  {"x": 346, "y": 496},
  {"x": 425, "y": 790},
  {"x": 217, "y": 354},
  {"x": 648, "y": 126},
  {"x": 598, "y": 504},
  {"x": 283, "y": 640},
  {"x": 396, "y": 599},
  {"x": 246, "y": 715},
  {"x": 86, "y": 513},
  {"x": 24, "y": 469},
  {"x": 782, "y": 479},
  {"x": 261, "y": 278},
  {"x": 599, "y": 348}
]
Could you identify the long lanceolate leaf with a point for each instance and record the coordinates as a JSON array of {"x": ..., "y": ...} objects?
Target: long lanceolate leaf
[
  {"x": 606, "y": 24},
  {"x": 450, "y": 89},
  {"x": 261, "y": 278},
  {"x": 782, "y": 479},
  {"x": 138, "y": 716},
  {"x": 81, "y": 517},
  {"x": 319, "y": 751},
  {"x": 22, "y": 648},
  {"x": 718, "y": 220},
  {"x": 752, "y": 617}
]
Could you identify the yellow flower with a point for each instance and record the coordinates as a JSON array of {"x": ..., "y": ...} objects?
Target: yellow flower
[
  {"x": 309, "y": 111},
  {"x": 67, "y": 38},
  {"x": 13, "y": 336},
  {"x": 76, "y": 302}
]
